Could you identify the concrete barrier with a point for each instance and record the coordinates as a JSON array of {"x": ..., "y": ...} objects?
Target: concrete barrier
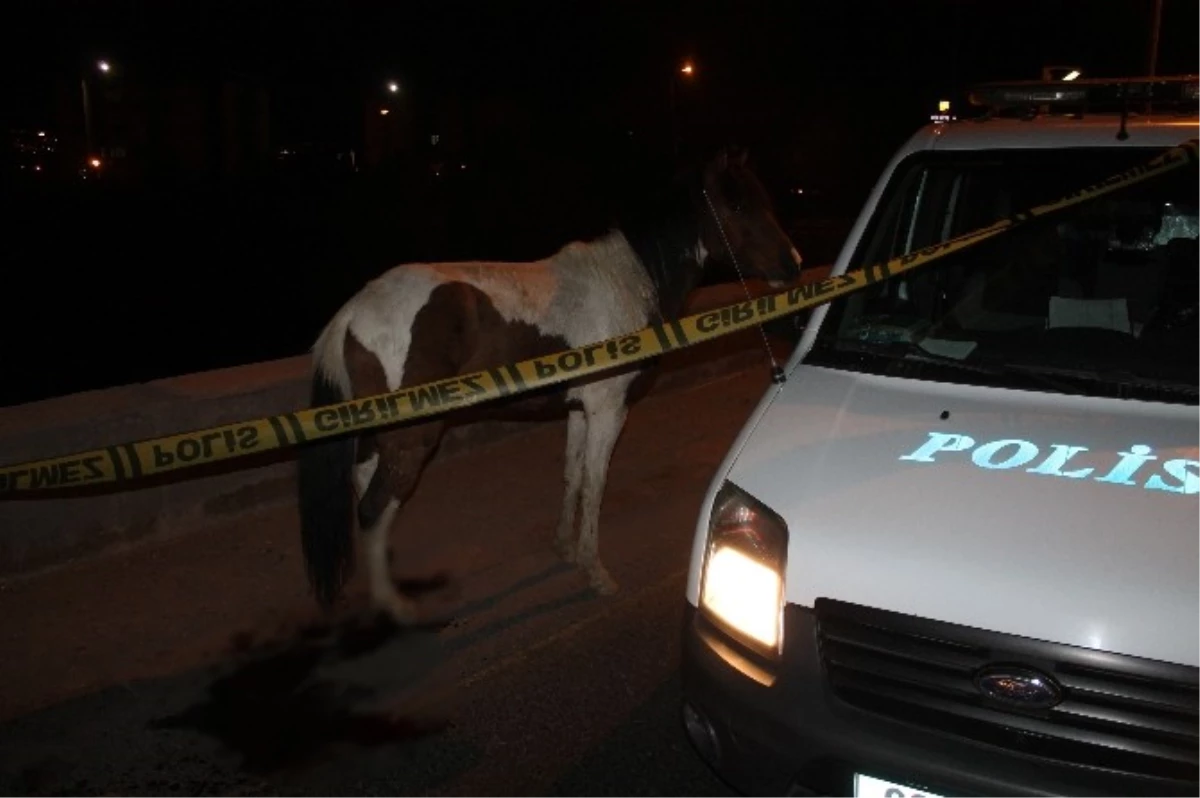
[{"x": 41, "y": 533}]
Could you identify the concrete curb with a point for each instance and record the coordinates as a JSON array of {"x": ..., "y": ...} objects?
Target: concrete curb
[{"x": 44, "y": 533}]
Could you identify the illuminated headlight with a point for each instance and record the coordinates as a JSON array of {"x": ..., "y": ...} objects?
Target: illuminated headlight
[{"x": 741, "y": 588}]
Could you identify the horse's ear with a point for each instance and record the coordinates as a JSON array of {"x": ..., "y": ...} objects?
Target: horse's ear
[
  {"x": 722, "y": 160},
  {"x": 738, "y": 155}
]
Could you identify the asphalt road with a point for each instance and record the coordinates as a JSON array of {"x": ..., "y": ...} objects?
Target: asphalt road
[{"x": 199, "y": 664}]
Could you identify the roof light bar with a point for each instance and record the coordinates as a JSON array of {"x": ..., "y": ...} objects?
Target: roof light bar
[
  {"x": 1091, "y": 92},
  {"x": 1008, "y": 96}
]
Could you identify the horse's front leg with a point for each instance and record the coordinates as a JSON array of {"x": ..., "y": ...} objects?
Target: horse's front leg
[
  {"x": 564, "y": 538},
  {"x": 604, "y": 425}
]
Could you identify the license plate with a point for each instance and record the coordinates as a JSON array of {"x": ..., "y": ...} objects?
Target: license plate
[{"x": 870, "y": 787}]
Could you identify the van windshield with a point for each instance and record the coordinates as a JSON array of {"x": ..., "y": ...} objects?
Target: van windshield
[{"x": 1098, "y": 299}]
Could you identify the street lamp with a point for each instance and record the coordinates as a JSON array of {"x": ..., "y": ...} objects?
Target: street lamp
[
  {"x": 1064, "y": 72},
  {"x": 1152, "y": 56},
  {"x": 687, "y": 70},
  {"x": 393, "y": 87},
  {"x": 104, "y": 68}
]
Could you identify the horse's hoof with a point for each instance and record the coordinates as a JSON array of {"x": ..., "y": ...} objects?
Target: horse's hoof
[
  {"x": 400, "y": 612},
  {"x": 602, "y": 583},
  {"x": 565, "y": 550}
]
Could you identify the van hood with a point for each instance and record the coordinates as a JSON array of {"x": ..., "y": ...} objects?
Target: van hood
[{"x": 1059, "y": 518}]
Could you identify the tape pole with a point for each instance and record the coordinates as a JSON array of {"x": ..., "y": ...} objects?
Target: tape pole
[{"x": 128, "y": 462}]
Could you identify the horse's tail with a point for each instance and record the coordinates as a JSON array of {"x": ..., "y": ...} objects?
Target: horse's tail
[{"x": 326, "y": 499}]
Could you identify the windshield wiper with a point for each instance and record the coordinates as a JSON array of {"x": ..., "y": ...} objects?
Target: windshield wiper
[
  {"x": 1115, "y": 377},
  {"x": 912, "y": 352}
]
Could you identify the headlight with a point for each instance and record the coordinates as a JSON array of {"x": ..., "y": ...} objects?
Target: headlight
[{"x": 741, "y": 588}]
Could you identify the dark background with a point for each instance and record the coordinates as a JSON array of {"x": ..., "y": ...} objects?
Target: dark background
[{"x": 226, "y": 222}]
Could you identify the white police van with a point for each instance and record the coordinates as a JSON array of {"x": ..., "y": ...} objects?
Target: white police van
[{"x": 955, "y": 552}]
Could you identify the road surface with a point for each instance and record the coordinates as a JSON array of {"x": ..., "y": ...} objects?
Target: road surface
[{"x": 200, "y": 665}]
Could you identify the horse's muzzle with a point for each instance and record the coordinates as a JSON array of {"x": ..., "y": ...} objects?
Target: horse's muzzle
[{"x": 790, "y": 261}]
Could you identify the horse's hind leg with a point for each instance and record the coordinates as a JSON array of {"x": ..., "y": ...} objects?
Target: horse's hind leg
[
  {"x": 564, "y": 539},
  {"x": 383, "y": 593},
  {"x": 376, "y": 513},
  {"x": 401, "y": 457},
  {"x": 605, "y": 418}
]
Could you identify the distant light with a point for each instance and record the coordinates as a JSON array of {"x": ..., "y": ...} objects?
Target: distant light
[
  {"x": 104, "y": 66},
  {"x": 464, "y": 166},
  {"x": 687, "y": 69},
  {"x": 41, "y": 134},
  {"x": 37, "y": 168},
  {"x": 95, "y": 162},
  {"x": 394, "y": 87},
  {"x": 944, "y": 106},
  {"x": 384, "y": 112},
  {"x": 1074, "y": 73},
  {"x": 798, "y": 190}
]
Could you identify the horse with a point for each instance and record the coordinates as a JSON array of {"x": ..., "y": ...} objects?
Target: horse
[{"x": 420, "y": 322}]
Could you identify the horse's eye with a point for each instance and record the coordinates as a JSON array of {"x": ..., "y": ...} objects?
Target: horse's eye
[{"x": 734, "y": 194}]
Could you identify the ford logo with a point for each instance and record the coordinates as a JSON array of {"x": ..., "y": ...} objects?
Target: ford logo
[{"x": 1018, "y": 686}]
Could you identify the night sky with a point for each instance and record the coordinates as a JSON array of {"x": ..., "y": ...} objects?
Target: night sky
[
  {"x": 822, "y": 93},
  {"x": 803, "y": 75}
]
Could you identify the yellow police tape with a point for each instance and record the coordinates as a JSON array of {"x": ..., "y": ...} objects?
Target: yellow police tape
[{"x": 131, "y": 461}]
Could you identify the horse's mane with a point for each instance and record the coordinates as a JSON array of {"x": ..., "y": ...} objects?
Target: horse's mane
[{"x": 662, "y": 226}]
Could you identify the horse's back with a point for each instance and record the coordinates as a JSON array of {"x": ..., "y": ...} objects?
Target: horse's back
[
  {"x": 383, "y": 315},
  {"x": 585, "y": 292}
]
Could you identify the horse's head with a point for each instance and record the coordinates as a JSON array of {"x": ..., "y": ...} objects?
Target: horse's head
[{"x": 747, "y": 224}]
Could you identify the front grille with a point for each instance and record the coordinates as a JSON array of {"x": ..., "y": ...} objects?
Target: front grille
[{"x": 1119, "y": 713}]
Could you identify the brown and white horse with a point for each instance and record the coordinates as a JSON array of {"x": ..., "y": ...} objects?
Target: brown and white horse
[{"x": 421, "y": 322}]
